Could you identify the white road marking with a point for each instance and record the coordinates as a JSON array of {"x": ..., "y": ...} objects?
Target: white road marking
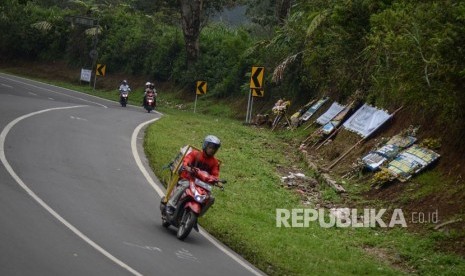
[
  {"x": 33, "y": 94},
  {"x": 138, "y": 159},
  {"x": 6, "y": 85},
  {"x": 77, "y": 118},
  {"x": 185, "y": 254},
  {"x": 13, "y": 174},
  {"x": 56, "y": 92},
  {"x": 146, "y": 247},
  {"x": 162, "y": 194}
]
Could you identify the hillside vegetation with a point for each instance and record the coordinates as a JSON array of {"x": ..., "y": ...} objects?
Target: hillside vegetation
[{"x": 398, "y": 53}]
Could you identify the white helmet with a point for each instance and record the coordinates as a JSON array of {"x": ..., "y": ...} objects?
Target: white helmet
[
  {"x": 147, "y": 84},
  {"x": 211, "y": 140}
]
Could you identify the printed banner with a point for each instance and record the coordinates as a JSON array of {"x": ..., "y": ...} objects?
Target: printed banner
[
  {"x": 375, "y": 159},
  {"x": 329, "y": 127},
  {"x": 313, "y": 109},
  {"x": 411, "y": 161},
  {"x": 330, "y": 113},
  {"x": 366, "y": 120}
]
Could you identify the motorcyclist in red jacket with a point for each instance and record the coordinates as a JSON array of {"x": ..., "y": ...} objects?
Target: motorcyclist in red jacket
[{"x": 204, "y": 160}]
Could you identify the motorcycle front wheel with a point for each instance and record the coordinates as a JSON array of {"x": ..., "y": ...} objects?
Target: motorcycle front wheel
[
  {"x": 188, "y": 220},
  {"x": 164, "y": 221}
]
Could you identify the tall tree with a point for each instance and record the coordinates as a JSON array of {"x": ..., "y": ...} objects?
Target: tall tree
[
  {"x": 191, "y": 11},
  {"x": 283, "y": 8},
  {"x": 195, "y": 14}
]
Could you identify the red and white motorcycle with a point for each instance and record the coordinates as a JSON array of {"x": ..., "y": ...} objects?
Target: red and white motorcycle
[
  {"x": 150, "y": 101},
  {"x": 193, "y": 203}
]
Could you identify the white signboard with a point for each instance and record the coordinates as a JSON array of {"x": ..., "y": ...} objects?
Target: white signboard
[
  {"x": 86, "y": 74},
  {"x": 366, "y": 120},
  {"x": 330, "y": 113}
]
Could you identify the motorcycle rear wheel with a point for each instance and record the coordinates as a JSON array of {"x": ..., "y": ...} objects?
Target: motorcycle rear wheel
[{"x": 189, "y": 219}]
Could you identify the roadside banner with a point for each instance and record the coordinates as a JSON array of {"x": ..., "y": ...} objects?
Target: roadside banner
[
  {"x": 366, "y": 120},
  {"x": 411, "y": 161},
  {"x": 330, "y": 113},
  {"x": 314, "y": 108}
]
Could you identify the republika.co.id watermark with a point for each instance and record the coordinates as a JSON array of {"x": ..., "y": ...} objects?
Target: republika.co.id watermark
[{"x": 345, "y": 217}]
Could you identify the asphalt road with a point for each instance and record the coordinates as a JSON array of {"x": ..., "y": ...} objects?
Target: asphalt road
[{"x": 77, "y": 196}]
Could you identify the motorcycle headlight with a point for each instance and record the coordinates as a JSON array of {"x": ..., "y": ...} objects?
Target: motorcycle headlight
[{"x": 199, "y": 198}]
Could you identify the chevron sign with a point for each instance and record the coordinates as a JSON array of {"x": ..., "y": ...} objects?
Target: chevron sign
[{"x": 256, "y": 79}]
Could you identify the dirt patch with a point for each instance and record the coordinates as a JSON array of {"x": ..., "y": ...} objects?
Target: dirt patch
[
  {"x": 391, "y": 258},
  {"x": 425, "y": 214}
]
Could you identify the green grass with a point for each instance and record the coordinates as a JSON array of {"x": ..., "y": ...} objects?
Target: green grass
[
  {"x": 244, "y": 215},
  {"x": 429, "y": 183}
]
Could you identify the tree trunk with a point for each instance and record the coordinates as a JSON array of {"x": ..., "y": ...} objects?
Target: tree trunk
[
  {"x": 283, "y": 8},
  {"x": 190, "y": 19}
]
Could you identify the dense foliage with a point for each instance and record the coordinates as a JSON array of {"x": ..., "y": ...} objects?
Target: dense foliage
[{"x": 396, "y": 52}]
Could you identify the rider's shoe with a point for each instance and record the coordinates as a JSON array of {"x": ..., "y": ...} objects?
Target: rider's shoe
[{"x": 169, "y": 209}]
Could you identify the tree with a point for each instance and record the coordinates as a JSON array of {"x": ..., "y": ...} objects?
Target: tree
[
  {"x": 194, "y": 14},
  {"x": 283, "y": 8},
  {"x": 190, "y": 21}
]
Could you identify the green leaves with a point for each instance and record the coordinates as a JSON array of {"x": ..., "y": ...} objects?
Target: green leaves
[{"x": 413, "y": 52}]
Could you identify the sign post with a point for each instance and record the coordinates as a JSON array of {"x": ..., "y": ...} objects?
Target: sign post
[
  {"x": 92, "y": 23},
  {"x": 99, "y": 71},
  {"x": 256, "y": 89},
  {"x": 200, "y": 89}
]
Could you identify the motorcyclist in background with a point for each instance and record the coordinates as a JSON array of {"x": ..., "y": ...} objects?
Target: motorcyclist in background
[
  {"x": 149, "y": 88},
  {"x": 124, "y": 87},
  {"x": 204, "y": 160}
]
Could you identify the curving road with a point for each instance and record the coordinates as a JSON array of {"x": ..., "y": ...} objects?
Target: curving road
[{"x": 77, "y": 196}]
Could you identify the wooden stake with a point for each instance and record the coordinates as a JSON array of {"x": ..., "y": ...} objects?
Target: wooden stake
[
  {"x": 344, "y": 155},
  {"x": 330, "y": 136},
  {"x": 309, "y": 125}
]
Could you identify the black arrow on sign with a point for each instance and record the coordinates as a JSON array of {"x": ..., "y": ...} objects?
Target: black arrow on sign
[
  {"x": 99, "y": 70},
  {"x": 200, "y": 87},
  {"x": 257, "y": 92},
  {"x": 255, "y": 75}
]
